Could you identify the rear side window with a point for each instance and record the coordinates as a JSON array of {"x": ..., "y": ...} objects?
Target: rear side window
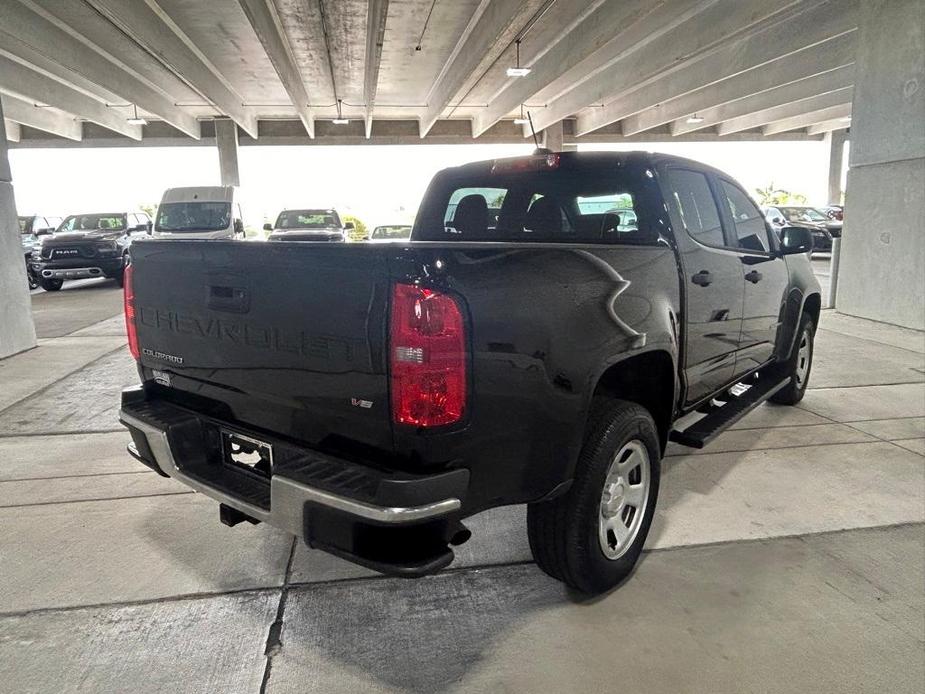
[
  {"x": 693, "y": 199},
  {"x": 751, "y": 233},
  {"x": 576, "y": 204}
]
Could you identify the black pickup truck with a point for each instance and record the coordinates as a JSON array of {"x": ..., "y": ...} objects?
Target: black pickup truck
[
  {"x": 537, "y": 341},
  {"x": 87, "y": 245}
]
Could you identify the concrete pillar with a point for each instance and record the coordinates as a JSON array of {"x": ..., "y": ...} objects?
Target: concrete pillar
[
  {"x": 17, "y": 331},
  {"x": 552, "y": 137},
  {"x": 836, "y": 141},
  {"x": 226, "y": 138},
  {"x": 882, "y": 273}
]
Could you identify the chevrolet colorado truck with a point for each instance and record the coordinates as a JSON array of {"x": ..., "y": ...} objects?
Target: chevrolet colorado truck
[{"x": 554, "y": 321}]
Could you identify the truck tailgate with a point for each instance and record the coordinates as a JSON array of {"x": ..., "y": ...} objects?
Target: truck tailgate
[{"x": 291, "y": 337}]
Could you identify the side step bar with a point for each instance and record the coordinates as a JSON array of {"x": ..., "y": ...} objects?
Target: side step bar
[{"x": 701, "y": 432}]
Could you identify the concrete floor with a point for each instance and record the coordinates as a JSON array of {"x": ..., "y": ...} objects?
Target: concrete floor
[{"x": 789, "y": 556}]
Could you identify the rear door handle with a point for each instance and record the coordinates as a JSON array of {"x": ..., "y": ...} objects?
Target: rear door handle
[
  {"x": 754, "y": 276},
  {"x": 703, "y": 278}
]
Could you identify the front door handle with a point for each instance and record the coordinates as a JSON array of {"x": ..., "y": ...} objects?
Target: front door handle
[
  {"x": 702, "y": 278},
  {"x": 754, "y": 276}
]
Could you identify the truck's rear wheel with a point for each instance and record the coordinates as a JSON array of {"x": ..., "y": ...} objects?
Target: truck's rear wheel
[
  {"x": 591, "y": 536},
  {"x": 798, "y": 365}
]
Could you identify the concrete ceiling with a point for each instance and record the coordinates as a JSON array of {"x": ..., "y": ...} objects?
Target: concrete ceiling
[{"x": 425, "y": 70}]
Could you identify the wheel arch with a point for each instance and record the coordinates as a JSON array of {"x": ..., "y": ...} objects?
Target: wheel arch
[{"x": 648, "y": 379}]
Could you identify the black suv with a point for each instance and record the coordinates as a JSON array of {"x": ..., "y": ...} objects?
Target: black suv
[{"x": 87, "y": 245}]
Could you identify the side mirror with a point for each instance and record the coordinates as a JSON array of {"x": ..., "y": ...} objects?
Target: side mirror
[
  {"x": 149, "y": 227},
  {"x": 43, "y": 232},
  {"x": 268, "y": 227},
  {"x": 795, "y": 240},
  {"x": 349, "y": 225}
]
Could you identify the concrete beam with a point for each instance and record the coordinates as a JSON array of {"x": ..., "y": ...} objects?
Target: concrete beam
[
  {"x": 18, "y": 80},
  {"x": 17, "y": 329},
  {"x": 266, "y": 23},
  {"x": 46, "y": 119},
  {"x": 493, "y": 26},
  {"x": 781, "y": 96},
  {"x": 793, "y": 45},
  {"x": 807, "y": 119},
  {"x": 553, "y": 137},
  {"x": 33, "y": 36},
  {"x": 226, "y": 139},
  {"x": 829, "y": 126},
  {"x": 152, "y": 27},
  {"x": 756, "y": 119},
  {"x": 679, "y": 39},
  {"x": 807, "y": 71},
  {"x": 376, "y": 14},
  {"x": 12, "y": 129},
  {"x": 583, "y": 46}
]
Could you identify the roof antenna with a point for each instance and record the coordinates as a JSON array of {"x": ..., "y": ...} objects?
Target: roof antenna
[{"x": 536, "y": 140}]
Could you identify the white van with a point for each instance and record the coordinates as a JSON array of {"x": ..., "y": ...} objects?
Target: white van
[{"x": 202, "y": 212}]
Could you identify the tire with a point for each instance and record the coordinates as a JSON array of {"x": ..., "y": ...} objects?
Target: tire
[
  {"x": 566, "y": 533},
  {"x": 51, "y": 285},
  {"x": 798, "y": 366}
]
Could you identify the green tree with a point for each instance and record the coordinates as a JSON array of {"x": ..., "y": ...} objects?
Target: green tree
[
  {"x": 148, "y": 209},
  {"x": 771, "y": 195},
  {"x": 358, "y": 233}
]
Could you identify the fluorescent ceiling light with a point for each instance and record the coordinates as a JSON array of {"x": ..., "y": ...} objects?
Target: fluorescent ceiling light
[
  {"x": 693, "y": 120},
  {"x": 845, "y": 119},
  {"x": 340, "y": 121},
  {"x": 521, "y": 121},
  {"x": 135, "y": 119},
  {"x": 518, "y": 71}
]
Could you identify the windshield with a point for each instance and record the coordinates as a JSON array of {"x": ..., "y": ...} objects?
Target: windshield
[
  {"x": 25, "y": 225},
  {"x": 93, "y": 222},
  {"x": 307, "y": 219},
  {"x": 193, "y": 216},
  {"x": 803, "y": 214},
  {"x": 398, "y": 231}
]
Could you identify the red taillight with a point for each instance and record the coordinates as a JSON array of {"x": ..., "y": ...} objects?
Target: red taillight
[
  {"x": 428, "y": 357},
  {"x": 128, "y": 294}
]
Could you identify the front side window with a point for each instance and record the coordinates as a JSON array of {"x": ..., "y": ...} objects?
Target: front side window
[
  {"x": 307, "y": 219},
  {"x": 94, "y": 222},
  {"x": 193, "y": 216},
  {"x": 751, "y": 233},
  {"x": 693, "y": 200}
]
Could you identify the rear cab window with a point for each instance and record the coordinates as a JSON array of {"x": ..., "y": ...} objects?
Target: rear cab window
[{"x": 574, "y": 201}]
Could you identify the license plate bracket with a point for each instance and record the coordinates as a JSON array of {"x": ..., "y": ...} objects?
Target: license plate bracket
[{"x": 247, "y": 453}]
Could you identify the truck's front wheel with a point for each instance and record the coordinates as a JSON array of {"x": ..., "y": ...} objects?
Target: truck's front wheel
[{"x": 591, "y": 536}]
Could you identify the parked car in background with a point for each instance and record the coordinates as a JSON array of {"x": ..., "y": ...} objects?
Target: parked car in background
[
  {"x": 200, "y": 212},
  {"x": 836, "y": 212},
  {"x": 309, "y": 225},
  {"x": 87, "y": 245},
  {"x": 392, "y": 232},
  {"x": 823, "y": 229},
  {"x": 369, "y": 398},
  {"x": 31, "y": 227}
]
